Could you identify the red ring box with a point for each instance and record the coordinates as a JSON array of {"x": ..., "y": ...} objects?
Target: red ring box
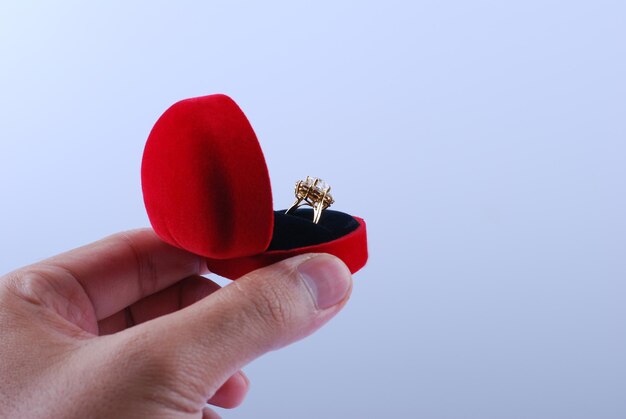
[{"x": 207, "y": 190}]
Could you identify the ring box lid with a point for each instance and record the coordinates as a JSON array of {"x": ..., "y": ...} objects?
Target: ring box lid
[{"x": 205, "y": 182}]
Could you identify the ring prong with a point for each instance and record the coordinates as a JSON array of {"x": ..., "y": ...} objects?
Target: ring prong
[
  {"x": 317, "y": 213},
  {"x": 294, "y": 206},
  {"x": 315, "y": 193}
]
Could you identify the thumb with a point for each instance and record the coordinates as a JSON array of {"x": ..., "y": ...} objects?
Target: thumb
[{"x": 206, "y": 343}]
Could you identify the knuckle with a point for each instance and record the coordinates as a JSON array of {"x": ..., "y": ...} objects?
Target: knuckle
[
  {"x": 272, "y": 304},
  {"x": 51, "y": 287},
  {"x": 273, "y": 307},
  {"x": 146, "y": 265},
  {"x": 28, "y": 285}
]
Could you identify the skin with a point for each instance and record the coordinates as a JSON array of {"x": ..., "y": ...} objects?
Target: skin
[{"x": 126, "y": 327}]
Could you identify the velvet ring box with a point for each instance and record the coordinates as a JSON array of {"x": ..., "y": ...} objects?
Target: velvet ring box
[{"x": 207, "y": 190}]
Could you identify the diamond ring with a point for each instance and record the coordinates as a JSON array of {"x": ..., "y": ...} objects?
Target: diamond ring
[{"x": 315, "y": 193}]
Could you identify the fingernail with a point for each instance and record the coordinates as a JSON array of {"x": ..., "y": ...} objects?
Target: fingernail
[
  {"x": 244, "y": 378},
  {"x": 327, "y": 278}
]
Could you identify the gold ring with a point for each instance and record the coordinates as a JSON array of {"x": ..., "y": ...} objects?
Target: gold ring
[{"x": 315, "y": 193}]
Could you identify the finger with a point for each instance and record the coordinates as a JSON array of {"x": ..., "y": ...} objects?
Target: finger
[
  {"x": 208, "y": 413},
  {"x": 121, "y": 269},
  {"x": 201, "y": 346},
  {"x": 177, "y": 296},
  {"x": 232, "y": 393},
  {"x": 180, "y": 295},
  {"x": 115, "y": 323}
]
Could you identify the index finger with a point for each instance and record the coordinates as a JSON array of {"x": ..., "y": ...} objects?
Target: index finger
[{"x": 121, "y": 269}]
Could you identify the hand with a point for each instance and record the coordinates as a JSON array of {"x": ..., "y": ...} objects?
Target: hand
[{"x": 127, "y": 327}]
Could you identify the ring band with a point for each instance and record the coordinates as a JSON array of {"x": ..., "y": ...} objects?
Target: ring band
[{"x": 315, "y": 193}]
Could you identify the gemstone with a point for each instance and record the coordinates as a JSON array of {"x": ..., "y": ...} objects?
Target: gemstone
[{"x": 322, "y": 185}]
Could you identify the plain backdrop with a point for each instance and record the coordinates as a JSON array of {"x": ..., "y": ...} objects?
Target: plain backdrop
[{"x": 483, "y": 141}]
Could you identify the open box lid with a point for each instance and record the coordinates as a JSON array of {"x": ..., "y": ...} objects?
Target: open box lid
[{"x": 205, "y": 182}]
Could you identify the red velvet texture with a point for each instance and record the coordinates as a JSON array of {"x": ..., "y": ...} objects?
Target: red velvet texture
[
  {"x": 205, "y": 181},
  {"x": 351, "y": 248},
  {"x": 206, "y": 189}
]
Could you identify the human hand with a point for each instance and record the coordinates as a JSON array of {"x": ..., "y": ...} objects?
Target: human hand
[{"x": 127, "y": 327}]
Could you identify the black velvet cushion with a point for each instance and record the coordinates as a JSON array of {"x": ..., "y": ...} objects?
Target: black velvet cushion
[{"x": 297, "y": 228}]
